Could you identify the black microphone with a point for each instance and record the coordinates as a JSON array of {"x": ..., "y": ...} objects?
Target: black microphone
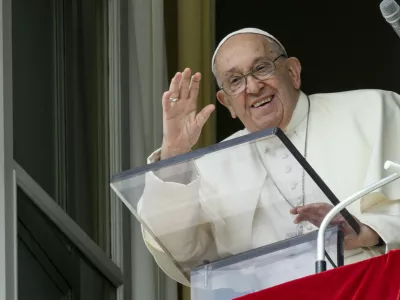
[{"x": 391, "y": 12}]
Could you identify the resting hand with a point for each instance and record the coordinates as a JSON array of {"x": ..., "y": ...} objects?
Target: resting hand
[{"x": 316, "y": 212}]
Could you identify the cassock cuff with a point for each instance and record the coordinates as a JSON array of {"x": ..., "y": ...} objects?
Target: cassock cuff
[
  {"x": 154, "y": 157},
  {"x": 386, "y": 227}
]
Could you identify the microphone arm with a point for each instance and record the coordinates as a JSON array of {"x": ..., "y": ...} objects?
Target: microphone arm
[{"x": 320, "y": 264}]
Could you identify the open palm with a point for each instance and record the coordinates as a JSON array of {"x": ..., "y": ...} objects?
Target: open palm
[{"x": 182, "y": 124}]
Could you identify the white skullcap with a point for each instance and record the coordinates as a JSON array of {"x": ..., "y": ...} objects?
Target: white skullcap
[{"x": 241, "y": 31}]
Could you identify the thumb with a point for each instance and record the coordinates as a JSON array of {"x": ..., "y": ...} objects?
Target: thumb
[{"x": 204, "y": 114}]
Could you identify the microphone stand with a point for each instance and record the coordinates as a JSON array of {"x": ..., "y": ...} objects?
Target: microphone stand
[{"x": 320, "y": 264}]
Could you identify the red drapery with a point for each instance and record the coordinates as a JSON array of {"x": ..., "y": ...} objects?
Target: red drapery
[{"x": 376, "y": 279}]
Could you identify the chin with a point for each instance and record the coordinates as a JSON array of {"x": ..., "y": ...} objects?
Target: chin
[
  {"x": 266, "y": 125},
  {"x": 255, "y": 128}
]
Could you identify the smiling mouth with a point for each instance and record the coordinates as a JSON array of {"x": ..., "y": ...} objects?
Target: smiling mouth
[{"x": 262, "y": 102}]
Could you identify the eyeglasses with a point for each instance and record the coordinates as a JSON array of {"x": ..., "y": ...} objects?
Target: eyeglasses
[{"x": 262, "y": 70}]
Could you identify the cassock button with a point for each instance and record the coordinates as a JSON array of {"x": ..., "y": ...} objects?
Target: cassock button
[
  {"x": 285, "y": 155},
  {"x": 270, "y": 151},
  {"x": 299, "y": 201}
]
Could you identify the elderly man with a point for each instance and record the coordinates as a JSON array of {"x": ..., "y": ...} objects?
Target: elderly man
[{"x": 346, "y": 137}]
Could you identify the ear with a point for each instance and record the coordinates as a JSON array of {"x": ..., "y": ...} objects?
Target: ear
[
  {"x": 224, "y": 100},
  {"x": 294, "y": 68}
]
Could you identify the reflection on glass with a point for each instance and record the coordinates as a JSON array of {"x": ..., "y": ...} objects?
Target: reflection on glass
[
  {"x": 59, "y": 103},
  {"x": 194, "y": 213},
  {"x": 260, "y": 268},
  {"x": 37, "y": 281},
  {"x": 48, "y": 262},
  {"x": 33, "y": 91}
]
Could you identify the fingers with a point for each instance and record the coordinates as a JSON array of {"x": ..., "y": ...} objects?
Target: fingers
[
  {"x": 316, "y": 219},
  {"x": 306, "y": 216},
  {"x": 166, "y": 102},
  {"x": 302, "y": 218},
  {"x": 185, "y": 84},
  {"x": 174, "y": 86},
  {"x": 299, "y": 219},
  {"x": 315, "y": 208},
  {"x": 185, "y": 87},
  {"x": 303, "y": 209},
  {"x": 175, "y": 89},
  {"x": 195, "y": 86},
  {"x": 314, "y": 213},
  {"x": 204, "y": 114}
]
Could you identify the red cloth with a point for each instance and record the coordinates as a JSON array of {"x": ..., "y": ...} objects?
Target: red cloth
[{"x": 377, "y": 279}]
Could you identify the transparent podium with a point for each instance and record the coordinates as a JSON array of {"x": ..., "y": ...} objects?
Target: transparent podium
[
  {"x": 219, "y": 218},
  {"x": 263, "y": 267}
]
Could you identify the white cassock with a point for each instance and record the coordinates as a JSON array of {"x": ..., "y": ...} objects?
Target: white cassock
[{"x": 349, "y": 137}]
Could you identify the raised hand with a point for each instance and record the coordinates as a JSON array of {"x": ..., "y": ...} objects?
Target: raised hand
[{"x": 182, "y": 124}]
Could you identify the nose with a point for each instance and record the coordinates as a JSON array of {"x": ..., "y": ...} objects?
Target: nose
[{"x": 253, "y": 85}]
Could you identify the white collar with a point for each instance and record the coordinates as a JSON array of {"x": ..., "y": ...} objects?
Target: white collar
[{"x": 300, "y": 112}]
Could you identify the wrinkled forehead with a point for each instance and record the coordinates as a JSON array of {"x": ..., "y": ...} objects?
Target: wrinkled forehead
[{"x": 239, "y": 52}]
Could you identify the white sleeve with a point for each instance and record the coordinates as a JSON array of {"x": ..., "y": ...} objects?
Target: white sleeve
[
  {"x": 170, "y": 206},
  {"x": 381, "y": 209}
]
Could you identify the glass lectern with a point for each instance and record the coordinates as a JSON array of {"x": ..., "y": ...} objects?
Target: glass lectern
[{"x": 219, "y": 217}]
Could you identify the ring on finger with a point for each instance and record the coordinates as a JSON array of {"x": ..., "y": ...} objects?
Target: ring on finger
[{"x": 173, "y": 99}]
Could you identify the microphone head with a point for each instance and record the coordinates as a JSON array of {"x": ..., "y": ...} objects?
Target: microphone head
[{"x": 390, "y": 10}]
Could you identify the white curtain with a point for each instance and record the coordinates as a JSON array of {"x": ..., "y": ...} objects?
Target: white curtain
[{"x": 147, "y": 82}]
